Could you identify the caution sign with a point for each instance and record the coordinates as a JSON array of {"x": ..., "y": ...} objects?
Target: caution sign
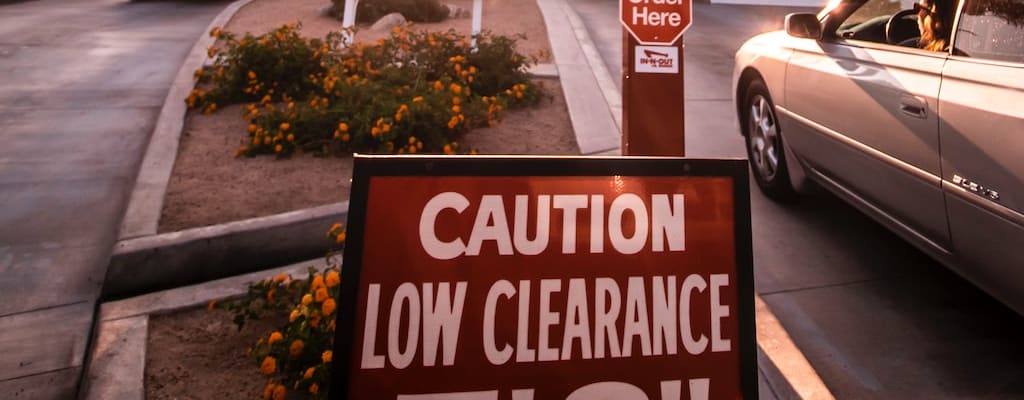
[{"x": 546, "y": 278}]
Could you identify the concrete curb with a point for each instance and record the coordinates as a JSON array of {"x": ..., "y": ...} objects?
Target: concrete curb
[
  {"x": 592, "y": 118},
  {"x": 116, "y": 369},
  {"x": 147, "y": 199},
  {"x": 187, "y": 257},
  {"x": 611, "y": 93}
]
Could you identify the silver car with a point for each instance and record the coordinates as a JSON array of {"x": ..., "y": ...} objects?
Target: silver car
[{"x": 929, "y": 143}]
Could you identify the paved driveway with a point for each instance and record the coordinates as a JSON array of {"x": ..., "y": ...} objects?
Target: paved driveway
[{"x": 81, "y": 84}]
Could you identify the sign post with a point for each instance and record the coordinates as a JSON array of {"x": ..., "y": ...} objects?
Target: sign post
[
  {"x": 652, "y": 76},
  {"x": 481, "y": 278}
]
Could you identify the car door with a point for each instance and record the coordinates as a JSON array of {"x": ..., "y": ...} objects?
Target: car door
[
  {"x": 982, "y": 138},
  {"x": 862, "y": 114}
]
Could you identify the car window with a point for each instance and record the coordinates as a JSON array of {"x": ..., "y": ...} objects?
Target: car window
[
  {"x": 992, "y": 29},
  {"x": 868, "y": 21}
]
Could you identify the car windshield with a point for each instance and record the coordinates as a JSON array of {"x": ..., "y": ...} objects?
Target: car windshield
[{"x": 871, "y": 12}]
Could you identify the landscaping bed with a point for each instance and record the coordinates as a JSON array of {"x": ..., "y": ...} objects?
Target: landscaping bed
[{"x": 209, "y": 186}]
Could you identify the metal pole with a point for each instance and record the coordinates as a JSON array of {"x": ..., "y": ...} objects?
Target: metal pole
[
  {"x": 478, "y": 8},
  {"x": 349, "y": 20}
]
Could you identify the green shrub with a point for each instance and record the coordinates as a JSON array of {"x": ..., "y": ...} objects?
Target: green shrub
[{"x": 412, "y": 92}]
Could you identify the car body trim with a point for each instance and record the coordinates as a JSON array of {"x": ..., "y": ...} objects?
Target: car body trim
[
  {"x": 879, "y": 213},
  {"x": 984, "y": 203},
  {"x": 899, "y": 164}
]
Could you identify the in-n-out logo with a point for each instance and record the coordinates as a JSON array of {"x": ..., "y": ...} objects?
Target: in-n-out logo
[{"x": 657, "y": 59}]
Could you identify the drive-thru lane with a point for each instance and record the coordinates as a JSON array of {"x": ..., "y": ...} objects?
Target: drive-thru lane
[{"x": 875, "y": 317}]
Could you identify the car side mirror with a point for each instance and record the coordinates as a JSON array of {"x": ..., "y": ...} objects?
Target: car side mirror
[{"x": 803, "y": 25}]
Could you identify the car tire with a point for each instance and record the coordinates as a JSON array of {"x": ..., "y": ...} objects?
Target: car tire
[{"x": 764, "y": 143}]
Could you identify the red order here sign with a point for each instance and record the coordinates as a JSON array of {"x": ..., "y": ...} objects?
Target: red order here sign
[{"x": 546, "y": 278}]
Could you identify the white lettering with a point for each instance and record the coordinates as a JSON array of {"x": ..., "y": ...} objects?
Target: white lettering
[
  {"x": 636, "y": 318},
  {"x": 540, "y": 240},
  {"x": 569, "y": 203},
  {"x": 495, "y": 356},
  {"x": 633, "y": 203},
  {"x": 577, "y": 320},
  {"x": 428, "y": 237},
  {"x": 371, "y": 360},
  {"x": 606, "y": 315},
  {"x": 406, "y": 294},
  {"x": 492, "y": 209},
  {"x": 693, "y": 346},
  {"x": 547, "y": 318},
  {"x": 718, "y": 311},
  {"x": 441, "y": 317}
]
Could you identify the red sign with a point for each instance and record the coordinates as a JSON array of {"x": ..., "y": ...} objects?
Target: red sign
[
  {"x": 465, "y": 279},
  {"x": 656, "y": 22}
]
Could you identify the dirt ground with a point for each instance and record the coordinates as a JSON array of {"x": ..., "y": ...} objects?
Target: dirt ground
[
  {"x": 200, "y": 354},
  {"x": 209, "y": 186}
]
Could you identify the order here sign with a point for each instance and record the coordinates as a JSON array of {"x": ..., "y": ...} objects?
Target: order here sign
[{"x": 546, "y": 278}]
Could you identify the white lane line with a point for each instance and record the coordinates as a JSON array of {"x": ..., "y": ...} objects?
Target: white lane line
[{"x": 796, "y": 372}]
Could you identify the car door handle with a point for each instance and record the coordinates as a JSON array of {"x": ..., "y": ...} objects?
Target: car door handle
[{"x": 913, "y": 106}]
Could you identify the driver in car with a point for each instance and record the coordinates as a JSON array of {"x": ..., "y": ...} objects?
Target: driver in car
[{"x": 933, "y": 19}]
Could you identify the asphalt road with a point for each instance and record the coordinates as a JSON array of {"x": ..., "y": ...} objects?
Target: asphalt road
[
  {"x": 81, "y": 84},
  {"x": 875, "y": 317}
]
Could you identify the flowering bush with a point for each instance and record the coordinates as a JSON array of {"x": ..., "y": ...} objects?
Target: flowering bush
[
  {"x": 412, "y": 92},
  {"x": 297, "y": 357}
]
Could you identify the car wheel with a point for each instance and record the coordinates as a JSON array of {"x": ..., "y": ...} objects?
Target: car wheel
[{"x": 764, "y": 143}]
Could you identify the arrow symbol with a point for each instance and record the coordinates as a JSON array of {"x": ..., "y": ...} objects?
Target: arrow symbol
[{"x": 651, "y": 54}]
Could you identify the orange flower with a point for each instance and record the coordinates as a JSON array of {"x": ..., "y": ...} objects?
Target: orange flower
[
  {"x": 318, "y": 282},
  {"x": 294, "y": 315},
  {"x": 456, "y": 109},
  {"x": 274, "y": 338},
  {"x": 345, "y": 137},
  {"x": 212, "y": 305},
  {"x": 279, "y": 392},
  {"x": 374, "y": 131},
  {"x": 417, "y": 99},
  {"x": 296, "y": 348},
  {"x": 306, "y": 299},
  {"x": 278, "y": 149},
  {"x": 455, "y": 88},
  {"x": 456, "y": 100},
  {"x": 321, "y": 295},
  {"x": 309, "y": 373},
  {"x": 438, "y": 86},
  {"x": 280, "y": 278},
  {"x": 326, "y": 357},
  {"x": 285, "y": 126},
  {"x": 290, "y": 137},
  {"x": 252, "y": 75},
  {"x": 328, "y": 307},
  {"x": 343, "y": 127},
  {"x": 268, "y": 366},
  {"x": 268, "y": 391},
  {"x": 270, "y": 293},
  {"x": 333, "y": 279},
  {"x": 341, "y": 236},
  {"x": 314, "y": 388}
]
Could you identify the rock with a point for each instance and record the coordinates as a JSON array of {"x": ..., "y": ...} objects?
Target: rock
[
  {"x": 387, "y": 22},
  {"x": 455, "y": 11}
]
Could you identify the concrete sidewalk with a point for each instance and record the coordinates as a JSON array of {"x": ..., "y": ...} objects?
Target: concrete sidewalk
[{"x": 81, "y": 84}]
